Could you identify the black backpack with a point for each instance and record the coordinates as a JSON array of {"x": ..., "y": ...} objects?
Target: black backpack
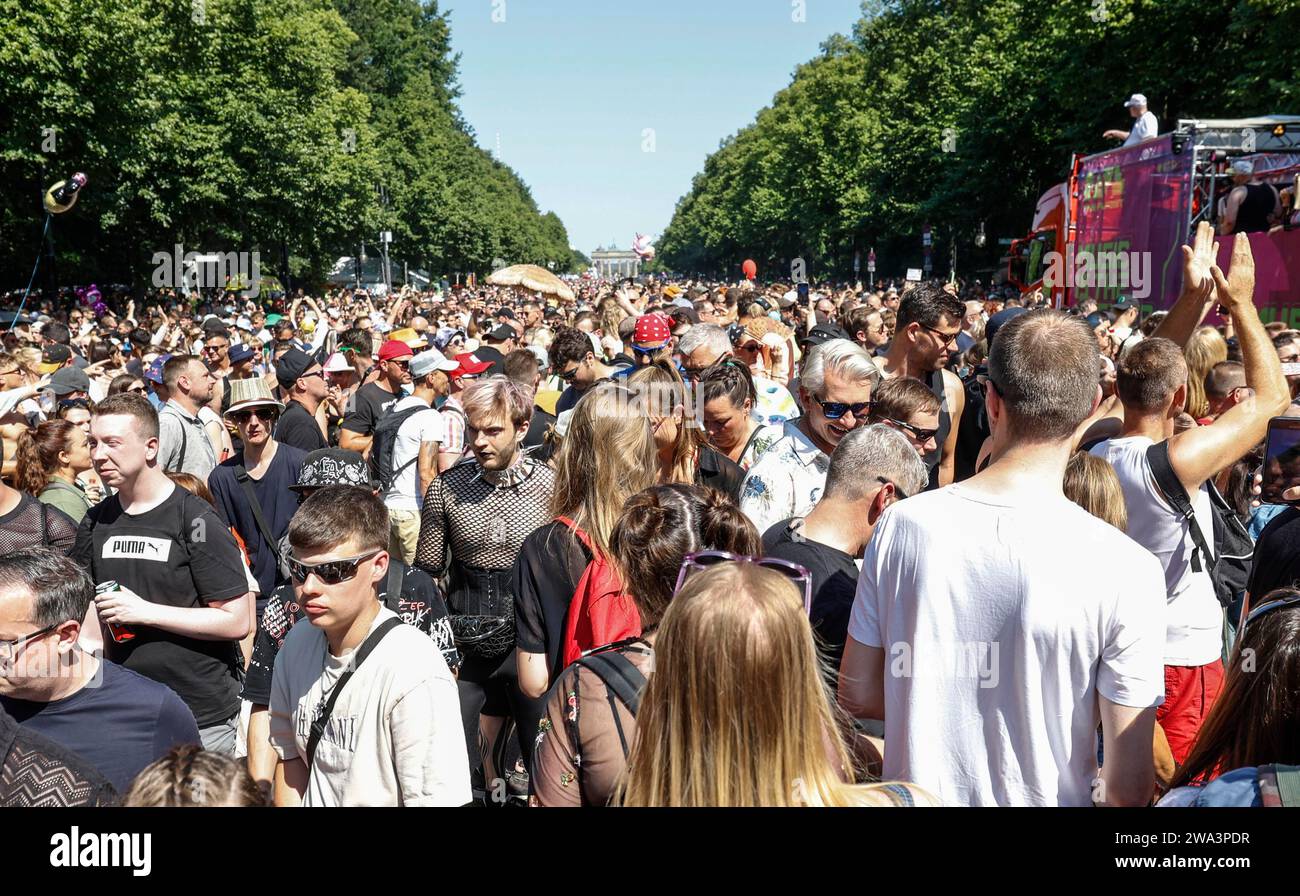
[
  {"x": 1233, "y": 546},
  {"x": 385, "y": 440}
]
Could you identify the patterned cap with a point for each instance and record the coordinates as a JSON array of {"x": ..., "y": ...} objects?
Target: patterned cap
[
  {"x": 333, "y": 466},
  {"x": 154, "y": 372},
  {"x": 652, "y": 329}
]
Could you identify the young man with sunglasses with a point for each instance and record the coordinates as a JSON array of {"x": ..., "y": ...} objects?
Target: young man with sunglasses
[
  {"x": 302, "y": 378},
  {"x": 184, "y": 597},
  {"x": 908, "y": 406},
  {"x": 364, "y": 710},
  {"x": 252, "y": 490},
  {"x": 788, "y": 477},
  {"x": 373, "y": 400},
  {"x": 577, "y": 365},
  {"x": 925, "y": 337},
  {"x": 871, "y": 469}
]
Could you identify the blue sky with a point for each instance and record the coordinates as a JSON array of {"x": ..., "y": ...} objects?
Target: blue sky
[{"x": 574, "y": 86}]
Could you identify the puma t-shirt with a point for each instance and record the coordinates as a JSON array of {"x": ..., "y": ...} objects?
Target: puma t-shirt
[{"x": 179, "y": 554}]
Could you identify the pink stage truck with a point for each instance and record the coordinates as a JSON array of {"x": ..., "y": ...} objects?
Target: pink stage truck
[{"x": 1115, "y": 227}]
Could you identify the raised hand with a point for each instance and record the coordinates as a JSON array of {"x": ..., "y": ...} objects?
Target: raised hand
[
  {"x": 1237, "y": 289},
  {"x": 1198, "y": 258}
]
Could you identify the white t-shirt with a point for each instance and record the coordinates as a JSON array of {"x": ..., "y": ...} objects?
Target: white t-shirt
[
  {"x": 425, "y": 426},
  {"x": 1001, "y": 624},
  {"x": 1144, "y": 128},
  {"x": 1195, "y": 619},
  {"x": 394, "y": 737}
]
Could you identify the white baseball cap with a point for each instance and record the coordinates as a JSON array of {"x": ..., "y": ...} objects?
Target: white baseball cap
[
  {"x": 1242, "y": 166},
  {"x": 430, "y": 360},
  {"x": 1136, "y": 99}
]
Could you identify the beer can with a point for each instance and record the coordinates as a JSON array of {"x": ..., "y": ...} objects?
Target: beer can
[{"x": 121, "y": 633}]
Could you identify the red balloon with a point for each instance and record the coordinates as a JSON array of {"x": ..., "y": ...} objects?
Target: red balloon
[{"x": 750, "y": 269}]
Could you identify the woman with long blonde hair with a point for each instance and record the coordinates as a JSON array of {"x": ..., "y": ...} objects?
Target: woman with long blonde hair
[
  {"x": 681, "y": 446},
  {"x": 1205, "y": 349},
  {"x": 736, "y": 712},
  {"x": 607, "y": 456}
]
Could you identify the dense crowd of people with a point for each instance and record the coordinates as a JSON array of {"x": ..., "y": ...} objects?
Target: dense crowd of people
[{"x": 665, "y": 543}]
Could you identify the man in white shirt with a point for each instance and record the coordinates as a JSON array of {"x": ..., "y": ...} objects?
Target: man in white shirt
[
  {"x": 1144, "y": 128},
  {"x": 393, "y": 736},
  {"x": 1152, "y": 387},
  {"x": 420, "y": 434},
  {"x": 992, "y": 645}
]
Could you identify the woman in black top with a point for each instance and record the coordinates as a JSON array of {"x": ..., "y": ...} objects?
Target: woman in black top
[{"x": 608, "y": 455}]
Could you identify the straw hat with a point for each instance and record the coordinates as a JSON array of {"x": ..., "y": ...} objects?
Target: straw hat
[{"x": 252, "y": 392}]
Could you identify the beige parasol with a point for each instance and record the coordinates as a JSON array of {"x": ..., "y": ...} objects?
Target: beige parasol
[{"x": 532, "y": 277}]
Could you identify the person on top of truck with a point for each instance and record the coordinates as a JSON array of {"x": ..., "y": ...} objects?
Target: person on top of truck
[
  {"x": 1145, "y": 128},
  {"x": 1251, "y": 206}
]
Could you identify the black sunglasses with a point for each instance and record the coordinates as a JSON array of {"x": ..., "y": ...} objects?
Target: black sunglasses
[
  {"x": 267, "y": 414},
  {"x": 332, "y": 572},
  {"x": 834, "y": 410},
  {"x": 922, "y": 435},
  {"x": 948, "y": 338},
  {"x": 67, "y": 404},
  {"x": 568, "y": 375},
  {"x": 897, "y": 491}
]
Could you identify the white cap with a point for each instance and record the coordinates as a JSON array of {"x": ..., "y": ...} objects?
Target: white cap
[
  {"x": 1242, "y": 166},
  {"x": 1136, "y": 99},
  {"x": 336, "y": 363},
  {"x": 430, "y": 360}
]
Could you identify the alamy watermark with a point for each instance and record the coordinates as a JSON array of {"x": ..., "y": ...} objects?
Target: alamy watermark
[
  {"x": 948, "y": 660},
  {"x": 214, "y": 270},
  {"x": 1129, "y": 272}
]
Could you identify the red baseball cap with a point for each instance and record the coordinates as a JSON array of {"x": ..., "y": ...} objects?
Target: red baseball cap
[
  {"x": 652, "y": 329},
  {"x": 394, "y": 349},
  {"x": 468, "y": 364}
]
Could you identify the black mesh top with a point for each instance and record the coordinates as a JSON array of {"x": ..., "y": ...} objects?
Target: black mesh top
[
  {"x": 32, "y": 524},
  {"x": 472, "y": 522}
]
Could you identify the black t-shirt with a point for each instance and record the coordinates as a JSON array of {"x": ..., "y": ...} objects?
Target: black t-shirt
[
  {"x": 546, "y": 574},
  {"x": 278, "y": 503},
  {"x": 119, "y": 722},
  {"x": 298, "y": 428},
  {"x": 834, "y": 583},
  {"x": 179, "y": 554},
  {"x": 536, "y": 436},
  {"x": 718, "y": 471},
  {"x": 420, "y": 604},
  {"x": 1277, "y": 556},
  {"x": 368, "y": 404},
  {"x": 492, "y": 356}
]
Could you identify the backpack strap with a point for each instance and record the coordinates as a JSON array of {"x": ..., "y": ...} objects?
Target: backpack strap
[
  {"x": 322, "y": 718},
  {"x": 622, "y": 678},
  {"x": 1176, "y": 495},
  {"x": 578, "y": 533},
  {"x": 393, "y": 584},
  {"x": 273, "y": 544}
]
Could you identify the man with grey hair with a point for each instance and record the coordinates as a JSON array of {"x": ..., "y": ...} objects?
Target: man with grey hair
[
  {"x": 115, "y": 719},
  {"x": 792, "y": 458},
  {"x": 704, "y": 345},
  {"x": 871, "y": 468},
  {"x": 991, "y": 647}
]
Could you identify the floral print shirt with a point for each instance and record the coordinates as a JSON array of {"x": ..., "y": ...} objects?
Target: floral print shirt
[{"x": 787, "y": 478}]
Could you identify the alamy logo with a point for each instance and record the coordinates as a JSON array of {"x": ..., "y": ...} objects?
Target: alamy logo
[
  {"x": 215, "y": 270},
  {"x": 89, "y": 850}
]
